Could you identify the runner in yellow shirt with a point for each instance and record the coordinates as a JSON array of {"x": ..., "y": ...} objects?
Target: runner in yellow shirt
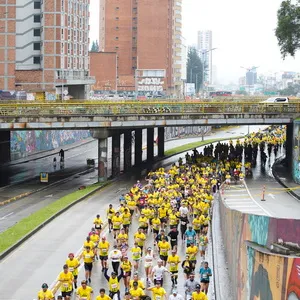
[
  {"x": 66, "y": 279},
  {"x": 136, "y": 255},
  {"x": 44, "y": 293},
  {"x": 98, "y": 224},
  {"x": 73, "y": 265},
  {"x": 88, "y": 258},
  {"x": 103, "y": 247},
  {"x": 84, "y": 291},
  {"x": 110, "y": 213},
  {"x": 116, "y": 223},
  {"x": 136, "y": 292},
  {"x": 164, "y": 247},
  {"x": 198, "y": 295},
  {"x": 173, "y": 261},
  {"x": 158, "y": 292},
  {"x": 140, "y": 237},
  {"x": 102, "y": 295},
  {"x": 126, "y": 217}
]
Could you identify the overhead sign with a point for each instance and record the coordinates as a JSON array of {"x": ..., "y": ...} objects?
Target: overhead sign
[
  {"x": 151, "y": 84},
  {"x": 44, "y": 177}
]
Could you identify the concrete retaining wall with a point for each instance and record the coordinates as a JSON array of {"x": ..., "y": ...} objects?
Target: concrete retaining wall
[{"x": 255, "y": 274}]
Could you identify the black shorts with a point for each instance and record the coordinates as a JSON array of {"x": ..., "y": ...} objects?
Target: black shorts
[
  {"x": 131, "y": 212},
  {"x": 126, "y": 226},
  {"x": 126, "y": 274},
  {"x": 109, "y": 221},
  {"x": 174, "y": 272},
  {"x": 204, "y": 281},
  {"x": 155, "y": 231},
  {"x": 173, "y": 226},
  {"x": 88, "y": 266},
  {"x": 163, "y": 257},
  {"x": 75, "y": 277},
  {"x": 116, "y": 229},
  {"x": 98, "y": 228},
  {"x": 103, "y": 257},
  {"x": 145, "y": 228},
  {"x": 66, "y": 294},
  {"x": 197, "y": 230},
  {"x": 163, "y": 220}
]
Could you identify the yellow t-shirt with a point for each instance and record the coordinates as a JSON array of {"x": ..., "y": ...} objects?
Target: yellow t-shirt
[
  {"x": 197, "y": 224},
  {"x": 143, "y": 222},
  {"x": 173, "y": 262},
  {"x": 110, "y": 213},
  {"x": 192, "y": 252},
  {"x": 98, "y": 223},
  {"x": 140, "y": 284},
  {"x": 199, "y": 296},
  {"x": 103, "y": 248},
  {"x": 89, "y": 244},
  {"x": 164, "y": 247},
  {"x": 48, "y": 295},
  {"x": 84, "y": 293},
  {"x": 126, "y": 266},
  {"x": 88, "y": 257},
  {"x": 105, "y": 297},
  {"x": 136, "y": 253},
  {"x": 126, "y": 218},
  {"x": 117, "y": 222},
  {"x": 157, "y": 293},
  {"x": 136, "y": 293},
  {"x": 122, "y": 236},
  {"x": 140, "y": 238},
  {"x": 66, "y": 280},
  {"x": 156, "y": 223},
  {"x": 73, "y": 264}
]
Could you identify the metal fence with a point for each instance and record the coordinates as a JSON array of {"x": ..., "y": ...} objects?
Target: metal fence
[{"x": 143, "y": 108}]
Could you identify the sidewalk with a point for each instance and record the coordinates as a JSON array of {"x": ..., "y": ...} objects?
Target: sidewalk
[{"x": 284, "y": 177}]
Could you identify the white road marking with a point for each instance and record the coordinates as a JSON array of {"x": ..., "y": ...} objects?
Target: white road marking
[
  {"x": 271, "y": 195},
  {"x": 49, "y": 196},
  {"x": 4, "y": 217}
]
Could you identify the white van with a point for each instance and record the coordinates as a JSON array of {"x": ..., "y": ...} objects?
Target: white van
[{"x": 277, "y": 100}]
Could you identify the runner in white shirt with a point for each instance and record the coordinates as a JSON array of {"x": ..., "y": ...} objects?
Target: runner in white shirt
[
  {"x": 115, "y": 255},
  {"x": 183, "y": 210},
  {"x": 158, "y": 272},
  {"x": 175, "y": 295},
  {"x": 148, "y": 263}
]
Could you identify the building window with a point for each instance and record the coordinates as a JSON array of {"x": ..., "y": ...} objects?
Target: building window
[
  {"x": 37, "y": 5},
  {"x": 117, "y": 18},
  {"x": 37, "y": 32},
  {"x": 37, "y": 18},
  {"x": 116, "y": 38},
  {"x": 116, "y": 48},
  {"x": 36, "y": 46},
  {"x": 117, "y": 8},
  {"x": 36, "y": 60},
  {"x": 117, "y": 28}
]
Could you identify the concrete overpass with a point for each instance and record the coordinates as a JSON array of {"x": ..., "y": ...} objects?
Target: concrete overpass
[{"x": 115, "y": 118}]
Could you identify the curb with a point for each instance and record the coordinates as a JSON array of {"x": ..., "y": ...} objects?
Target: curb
[
  {"x": 38, "y": 228},
  {"x": 275, "y": 174}
]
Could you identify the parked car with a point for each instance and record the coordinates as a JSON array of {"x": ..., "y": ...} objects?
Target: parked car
[{"x": 277, "y": 100}]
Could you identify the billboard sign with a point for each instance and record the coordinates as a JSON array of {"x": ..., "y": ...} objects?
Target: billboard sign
[{"x": 151, "y": 84}]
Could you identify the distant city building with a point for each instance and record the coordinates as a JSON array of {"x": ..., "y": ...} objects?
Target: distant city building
[
  {"x": 214, "y": 78},
  {"x": 204, "y": 47},
  {"x": 251, "y": 77},
  {"x": 242, "y": 81},
  {"x": 44, "y": 46}
]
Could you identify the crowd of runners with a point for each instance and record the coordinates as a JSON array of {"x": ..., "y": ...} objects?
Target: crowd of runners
[{"x": 159, "y": 230}]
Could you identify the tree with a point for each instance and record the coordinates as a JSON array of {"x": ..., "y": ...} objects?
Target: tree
[
  {"x": 288, "y": 27},
  {"x": 194, "y": 68},
  {"x": 291, "y": 90},
  {"x": 95, "y": 46}
]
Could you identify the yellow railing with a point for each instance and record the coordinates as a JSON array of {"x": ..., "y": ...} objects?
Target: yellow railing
[{"x": 143, "y": 108}]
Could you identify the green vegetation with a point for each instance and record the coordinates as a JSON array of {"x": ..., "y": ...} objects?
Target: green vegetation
[
  {"x": 189, "y": 146},
  {"x": 12, "y": 235},
  {"x": 288, "y": 27}
]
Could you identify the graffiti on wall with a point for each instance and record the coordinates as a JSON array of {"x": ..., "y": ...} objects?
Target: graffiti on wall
[
  {"x": 296, "y": 152},
  {"x": 24, "y": 143},
  {"x": 176, "y": 132},
  {"x": 255, "y": 274}
]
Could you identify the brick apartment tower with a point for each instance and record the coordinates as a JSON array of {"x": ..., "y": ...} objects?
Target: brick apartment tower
[
  {"x": 44, "y": 46},
  {"x": 144, "y": 34}
]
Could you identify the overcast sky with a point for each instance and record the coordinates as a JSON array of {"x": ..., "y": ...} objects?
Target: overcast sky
[{"x": 243, "y": 33}]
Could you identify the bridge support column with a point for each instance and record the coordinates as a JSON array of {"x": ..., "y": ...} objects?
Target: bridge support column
[
  {"x": 161, "y": 141},
  {"x": 150, "y": 144},
  {"x": 138, "y": 144},
  {"x": 102, "y": 160},
  {"x": 116, "y": 154},
  {"x": 289, "y": 145},
  {"x": 4, "y": 146},
  {"x": 127, "y": 150}
]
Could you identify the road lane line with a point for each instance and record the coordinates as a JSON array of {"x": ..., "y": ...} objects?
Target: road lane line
[
  {"x": 4, "y": 217},
  {"x": 263, "y": 209}
]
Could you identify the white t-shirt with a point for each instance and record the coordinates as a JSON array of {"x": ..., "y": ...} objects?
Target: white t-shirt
[
  {"x": 158, "y": 272},
  {"x": 183, "y": 211},
  {"x": 115, "y": 255},
  {"x": 177, "y": 297}
]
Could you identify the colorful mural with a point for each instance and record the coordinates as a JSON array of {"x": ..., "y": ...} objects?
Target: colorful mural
[
  {"x": 296, "y": 152},
  {"x": 255, "y": 273},
  {"x": 24, "y": 143}
]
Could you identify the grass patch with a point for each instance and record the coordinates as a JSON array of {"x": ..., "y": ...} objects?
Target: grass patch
[
  {"x": 13, "y": 234},
  {"x": 197, "y": 144}
]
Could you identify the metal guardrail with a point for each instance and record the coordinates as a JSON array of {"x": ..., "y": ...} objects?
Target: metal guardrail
[{"x": 143, "y": 108}]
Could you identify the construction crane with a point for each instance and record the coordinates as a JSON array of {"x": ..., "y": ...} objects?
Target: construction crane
[{"x": 250, "y": 69}]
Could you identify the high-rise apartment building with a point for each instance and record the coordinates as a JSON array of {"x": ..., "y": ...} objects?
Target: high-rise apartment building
[
  {"x": 45, "y": 46},
  {"x": 204, "y": 48},
  {"x": 146, "y": 36}
]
